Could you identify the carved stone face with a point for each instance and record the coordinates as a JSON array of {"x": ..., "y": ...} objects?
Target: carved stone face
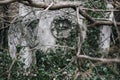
[{"x": 53, "y": 26}]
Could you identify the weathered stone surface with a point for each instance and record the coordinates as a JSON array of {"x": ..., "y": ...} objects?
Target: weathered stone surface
[{"x": 34, "y": 31}]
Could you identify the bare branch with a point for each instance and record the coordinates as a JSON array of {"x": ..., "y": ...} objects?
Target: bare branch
[
  {"x": 104, "y": 60},
  {"x": 84, "y": 14},
  {"x": 104, "y": 22},
  {"x": 100, "y": 10},
  {"x": 2, "y": 2},
  {"x": 55, "y": 6}
]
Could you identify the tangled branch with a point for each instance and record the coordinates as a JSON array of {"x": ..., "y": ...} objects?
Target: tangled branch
[{"x": 66, "y": 4}]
